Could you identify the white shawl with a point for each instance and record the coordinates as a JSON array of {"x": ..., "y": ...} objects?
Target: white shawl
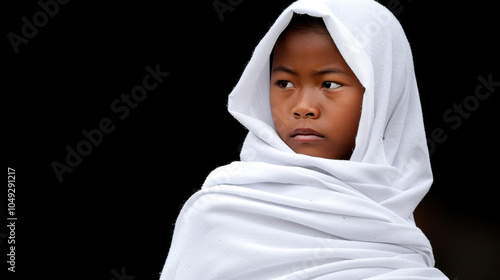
[{"x": 280, "y": 215}]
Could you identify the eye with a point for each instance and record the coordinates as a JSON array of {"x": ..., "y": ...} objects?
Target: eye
[
  {"x": 285, "y": 84},
  {"x": 330, "y": 85}
]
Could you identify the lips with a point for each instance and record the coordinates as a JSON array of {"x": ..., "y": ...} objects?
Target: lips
[{"x": 306, "y": 134}]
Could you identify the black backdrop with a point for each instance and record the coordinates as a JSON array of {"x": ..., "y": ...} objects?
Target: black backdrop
[{"x": 112, "y": 217}]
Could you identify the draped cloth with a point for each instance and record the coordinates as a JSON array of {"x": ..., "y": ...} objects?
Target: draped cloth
[{"x": 277, "y": 214}]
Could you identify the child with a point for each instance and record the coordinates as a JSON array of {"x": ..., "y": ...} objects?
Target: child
[{"x": 334, "y": 163}]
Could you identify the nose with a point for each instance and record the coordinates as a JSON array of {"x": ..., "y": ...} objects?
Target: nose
[{"x": 306, "y": 106}]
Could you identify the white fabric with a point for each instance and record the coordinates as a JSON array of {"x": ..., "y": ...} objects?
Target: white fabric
[{"x": 280, "y": 215}]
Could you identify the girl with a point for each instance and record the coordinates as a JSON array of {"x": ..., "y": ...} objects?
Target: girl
[{"x": 334, "y": 163}]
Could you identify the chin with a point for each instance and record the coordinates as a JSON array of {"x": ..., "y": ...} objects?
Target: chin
[
  {"x": 314, "y": 153},
  {"x": 321, "y": 153}
]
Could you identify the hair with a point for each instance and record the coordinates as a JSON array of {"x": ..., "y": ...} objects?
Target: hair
[{"x": 303, "y": 23}]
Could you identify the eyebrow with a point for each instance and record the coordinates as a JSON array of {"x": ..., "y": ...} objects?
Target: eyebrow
[
  {"x": 282, "y": 68},
  {"x": 329, "y": 70}
]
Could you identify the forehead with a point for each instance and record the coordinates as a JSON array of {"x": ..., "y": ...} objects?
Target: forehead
[{"x": 308, "y": 50}]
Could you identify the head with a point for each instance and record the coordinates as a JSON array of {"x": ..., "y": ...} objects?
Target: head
[{"x": 315, "y": 96}]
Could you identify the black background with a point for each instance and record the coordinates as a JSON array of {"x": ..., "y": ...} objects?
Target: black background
[{"x": 115, "y": 212}]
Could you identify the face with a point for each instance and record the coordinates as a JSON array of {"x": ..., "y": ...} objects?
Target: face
[{"x": 315, "y": 97}]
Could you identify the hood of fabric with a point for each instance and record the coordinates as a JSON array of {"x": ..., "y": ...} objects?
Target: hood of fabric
[{"x": 391, "y": 139}]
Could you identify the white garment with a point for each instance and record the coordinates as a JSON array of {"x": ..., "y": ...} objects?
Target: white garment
[{"x": 281, "y": 215}]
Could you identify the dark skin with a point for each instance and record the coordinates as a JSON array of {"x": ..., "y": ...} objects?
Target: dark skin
[{"x": 315, "y": 96}]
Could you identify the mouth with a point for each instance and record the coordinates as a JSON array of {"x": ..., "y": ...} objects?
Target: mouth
[{"x": 306, "y": 135}]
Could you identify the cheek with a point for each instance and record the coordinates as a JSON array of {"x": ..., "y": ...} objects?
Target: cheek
[
  {"x": 349, "y": 123},
  {"x": 344, "y": 116},
  {"x": 279, "y": 113}
]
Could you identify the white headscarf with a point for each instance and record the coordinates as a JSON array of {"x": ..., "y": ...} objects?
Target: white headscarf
[{"x": 280, "y": 215}]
